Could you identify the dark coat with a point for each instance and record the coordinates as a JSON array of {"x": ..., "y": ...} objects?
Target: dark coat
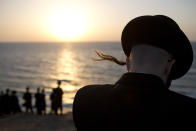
[
  {"x": 27, "y": 97},
  {"x": 135, "y": 102}
]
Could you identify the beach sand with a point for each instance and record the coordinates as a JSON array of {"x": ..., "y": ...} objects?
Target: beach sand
[{"x": 30, "y": 122}]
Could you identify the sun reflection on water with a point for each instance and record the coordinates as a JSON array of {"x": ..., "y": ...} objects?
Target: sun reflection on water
[{"x": 67, "y": 71}]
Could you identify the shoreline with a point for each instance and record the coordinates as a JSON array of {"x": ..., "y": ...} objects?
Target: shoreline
[{"x": 34, "y": 122}]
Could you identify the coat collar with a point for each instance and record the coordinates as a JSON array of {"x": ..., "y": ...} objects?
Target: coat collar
[{"x": 141, "y": 80}]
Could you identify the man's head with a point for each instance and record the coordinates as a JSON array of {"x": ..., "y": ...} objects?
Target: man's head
[
  {"x": 150, "y": 60},
  {"x": 163, "y": 33},
  {"x": 7, "y": 91},
  {"x": 38, "y": 90},
  {"x": 27, "y": 89},
  {"x": 13, "y": 93},
  {"x": 43, "y": 90},
  {"x": 59, "y": 83}
]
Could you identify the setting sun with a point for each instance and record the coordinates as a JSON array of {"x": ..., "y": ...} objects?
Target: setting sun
[{"x": 67, "y": 24}]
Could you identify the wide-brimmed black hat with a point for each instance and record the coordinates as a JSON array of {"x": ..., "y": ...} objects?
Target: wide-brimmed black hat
[{"x": 163, "y": 32}]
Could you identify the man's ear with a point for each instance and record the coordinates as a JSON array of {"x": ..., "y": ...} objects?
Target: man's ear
[
  {"x": 128, "y": 64},
  {"x": 169, "y": 67}
]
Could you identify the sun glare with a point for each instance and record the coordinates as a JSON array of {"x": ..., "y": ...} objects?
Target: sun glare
[{"x": 67, "y": 24}]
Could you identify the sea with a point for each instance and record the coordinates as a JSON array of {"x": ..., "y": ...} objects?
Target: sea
[{"x": 42, "y": 64}]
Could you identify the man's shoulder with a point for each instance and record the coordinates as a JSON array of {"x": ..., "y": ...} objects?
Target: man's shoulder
[
  {"x": 27, "y": 94},
  {"x": 93, "y": 92},
  {"x": 94, "y": 89},
  {"x": 182, "y": 96},
  {"x": 182, "y": 100},
  {"x": 58, "y": 89}
]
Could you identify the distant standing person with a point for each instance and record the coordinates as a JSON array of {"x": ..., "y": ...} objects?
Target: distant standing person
[
  {"x": 52, "y": 98},
  {"x": 58, "y": 93},
  {"x": 15, "y": 107},
  {"x": 43, "y": 102},
  {"x": 38, "y": 101},
  {"x": 1, "y": 102},
  {"x": 6, "y": 102},
  {"x": 28, "y": 100}
]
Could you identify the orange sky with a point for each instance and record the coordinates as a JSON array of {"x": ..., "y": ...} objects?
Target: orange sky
[{"x": 30, "y": 20}]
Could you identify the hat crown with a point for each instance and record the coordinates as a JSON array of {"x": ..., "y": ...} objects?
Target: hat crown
[{"x": 163, "y": 32}]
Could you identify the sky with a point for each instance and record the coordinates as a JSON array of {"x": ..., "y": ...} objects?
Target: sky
[{"x": 86, "y": 20}]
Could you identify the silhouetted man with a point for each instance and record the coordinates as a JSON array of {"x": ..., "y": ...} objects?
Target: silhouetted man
[
  {"x": 28, "y": 100},
  {"x": 6, "y": 102},
  {"x": 15, "y": 107},
  {"x": 1, "y": 102},
  {"x": 157, "y": 52},
  {"x": 58, "y": 93},
  {"x": 43, "y": 102},
  {"x": 38, "y": 102},
  {"x": 52, "y": 99}
]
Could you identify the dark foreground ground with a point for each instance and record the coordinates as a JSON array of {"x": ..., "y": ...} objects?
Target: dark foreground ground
[{"x": 29, "y": 122}]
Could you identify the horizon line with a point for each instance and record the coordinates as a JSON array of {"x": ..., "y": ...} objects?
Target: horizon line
[
  {"x": 58, "y": 42},
  {"x": 4, "y": 42}
]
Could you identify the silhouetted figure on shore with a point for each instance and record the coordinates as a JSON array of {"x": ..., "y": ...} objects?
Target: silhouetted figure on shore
[
  {"x": 38, "y": 102},
  {"x": 6, "y": 102},
  {"x": 1, "y": 102},
  {"x": 58, "y": 93},
  {"x": 43, "y": 102},
  {"x": 14, "y": 103},
  {"x": 52, "y": 99},
  {"x": 157, "y": 52},
  {"x": 28, "y": 100}
]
